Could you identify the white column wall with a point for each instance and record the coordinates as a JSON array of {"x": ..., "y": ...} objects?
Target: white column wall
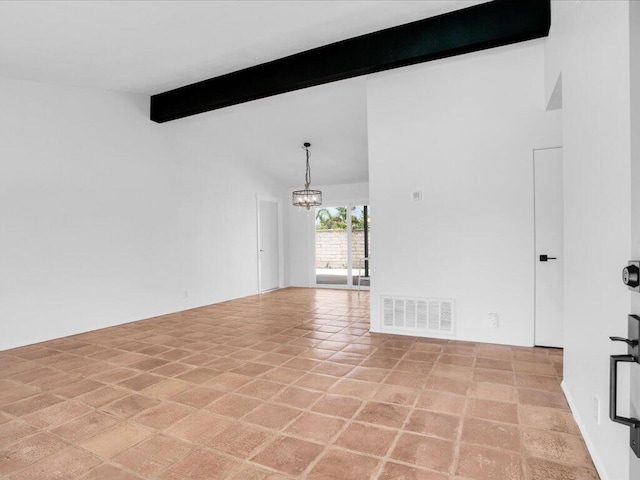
[
  {"x": 592, "y": 39},
  {"x": 462, "y": 131}
]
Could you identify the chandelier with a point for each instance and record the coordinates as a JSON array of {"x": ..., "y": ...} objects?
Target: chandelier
[{"x": 307, "y": 198}]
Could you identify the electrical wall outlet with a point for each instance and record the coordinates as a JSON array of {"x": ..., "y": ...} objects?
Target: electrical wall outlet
[
  {"x": 492, "y": 320},
  {"x": 596, "y": 409}
]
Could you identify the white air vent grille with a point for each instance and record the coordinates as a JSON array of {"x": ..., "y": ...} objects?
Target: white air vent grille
[{"x": 435, "y": 315}]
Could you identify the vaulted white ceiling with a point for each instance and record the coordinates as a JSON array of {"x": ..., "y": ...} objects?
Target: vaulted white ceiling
[{"x": 148, "y": 47}]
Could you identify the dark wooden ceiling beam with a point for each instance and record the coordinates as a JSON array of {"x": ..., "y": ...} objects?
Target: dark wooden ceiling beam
[{"x": 487, "y": 25}]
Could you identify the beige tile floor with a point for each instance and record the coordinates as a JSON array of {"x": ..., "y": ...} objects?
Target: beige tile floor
[{"x": 285, "y": 385}]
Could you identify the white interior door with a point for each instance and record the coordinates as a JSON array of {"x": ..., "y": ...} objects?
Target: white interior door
[
  {"x": 549, "y": 288},
  {"x": 269, "y": 245}
]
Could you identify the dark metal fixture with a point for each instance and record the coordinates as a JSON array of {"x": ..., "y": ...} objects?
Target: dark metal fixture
[
  {"x": 307, "y": 198},
  {"x": 631, "y": 275},
  {"x": 544, "y": 258},
  {"x": 632, "y": 356}
]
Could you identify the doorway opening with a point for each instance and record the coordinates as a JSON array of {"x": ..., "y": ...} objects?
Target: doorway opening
[{"x": 343, "y": 246}]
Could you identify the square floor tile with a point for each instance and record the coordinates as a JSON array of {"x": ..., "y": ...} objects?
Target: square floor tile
[
  {"x": 552, "y": 418},
  {"x": 316, "y": 381},
  {"x": 141, "y": 381},
  {"x": 487, "y": 464},
  {"x": 396, "y": 394},
  {"x": 197, "y": 397},
  {"x": 166, "y": 389},
  {"x": 449, "y": 385},
  {"x": 315, "y": 427},
  {"x": 434, "y": 424},
  {"x": 165, "y": 415},
  {"x": 337, "y": 405},
  {"x": 283, "y": 375},
  {"x": 68, "y": 464},
  {"x": 493, "y": 376},
  {"x": 340, "y": 465},
  {"x": 102, "y": 396},
  {"x": 31, "y": 404},
  {"x": 384, "y": 414},
  {"x": 199, "y": 428},
  {"x": 129, "y": 406},
  {"x": 110, "y": 472},
  {"x": 297, "y": 397},
  {"x": 272, "y": 416},
  {"x": 200, "y": 465},
  {"x": 542, "y": 399},
  {"x": 429, "y": 452},
  {"x": 84, "y": 426},
  {"x": 261, "y": 389},
  {"x": 491, "y": 434},
  {"x": 492, "y": 410},
  {"x": 444, "y": 402},
  {"x": 28, "y": 451},
  {"x": 116, "y": 439},
  {"x": 366, "y": 438},
  {"x": 239, "y": 440},
  {"x": 14, "y": 431},
  {"x": 234, "y": 406},
  {"x": 288, "y": 455},
  {"x": 228, "y": 381},
  {"x": 57, "y": 414},
  {"x": 555, "y": 446},
  {"x": 397, "y": 471},
  {"x": 538, "y": 382},
  {"x": 493, "y": 391},
  {"x": 153, "y": 455},
  {"x": 539, "y": 469}
]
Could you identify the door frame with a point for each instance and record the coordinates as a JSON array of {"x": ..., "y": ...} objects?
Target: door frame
[
  {"x": 535, "y": 246},
  {"x": 278, "y": 202},
  {"x": 312, "y": 242}
]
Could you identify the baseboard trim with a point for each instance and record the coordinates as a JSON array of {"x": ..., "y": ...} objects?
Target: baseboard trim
[{"x": 585, "y": 435}]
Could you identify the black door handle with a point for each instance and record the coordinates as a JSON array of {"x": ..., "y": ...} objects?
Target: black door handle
[
  {"x": 631, "y": 343},
  {"x": 631, "y": 357},
  {"x": 613, "y": 390},
  {"x": 613, "y": 400},
  {"x": 544, "y": 258}
]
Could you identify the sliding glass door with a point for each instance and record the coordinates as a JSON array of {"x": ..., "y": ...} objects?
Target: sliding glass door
[
  {"x": 360, "y": 245},
  {"x": 342, "y": 246}
]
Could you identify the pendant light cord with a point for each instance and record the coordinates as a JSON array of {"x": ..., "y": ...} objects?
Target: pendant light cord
[{"x": 308, "y": 174}]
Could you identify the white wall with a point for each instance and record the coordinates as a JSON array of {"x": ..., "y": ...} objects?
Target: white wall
[
  {"x": 462, "y": 131},
  {"x": 553, "y": 60},
  {"x": 594, "y": 50},
  {"x": 301, "y": 228},
  {"x": 107, "y": 217}
]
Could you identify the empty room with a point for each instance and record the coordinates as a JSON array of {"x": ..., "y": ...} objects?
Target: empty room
[{"x": 348, "y": 239}]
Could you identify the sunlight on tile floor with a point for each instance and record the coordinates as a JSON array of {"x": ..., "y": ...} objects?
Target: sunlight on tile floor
[{"x": 285, "y": 385}]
